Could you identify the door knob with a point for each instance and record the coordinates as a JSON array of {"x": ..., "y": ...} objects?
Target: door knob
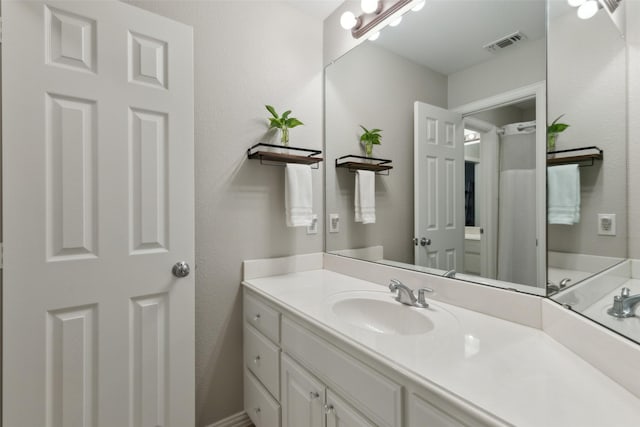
[
  {"x": 425, "y": 242},
  {"x": 415, "y": 241},
  {"x": 181, "y": 269}
]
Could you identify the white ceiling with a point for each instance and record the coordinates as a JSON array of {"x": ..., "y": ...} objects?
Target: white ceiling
[
  {"x": 449, "y": 35},
  {"x": 317, "y": 8}
]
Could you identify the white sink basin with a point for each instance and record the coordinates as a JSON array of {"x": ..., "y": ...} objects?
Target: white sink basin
[{"x": 379, "y": 312}]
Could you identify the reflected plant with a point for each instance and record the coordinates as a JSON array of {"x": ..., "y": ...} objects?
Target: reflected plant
[{"x": 552, "y": 132}]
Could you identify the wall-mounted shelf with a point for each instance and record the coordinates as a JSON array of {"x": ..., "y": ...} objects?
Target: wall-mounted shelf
[
  {"x": 584, "y": 156},
  {"x": 354, "y": 163},
  {"x": 268, "y": 156}
]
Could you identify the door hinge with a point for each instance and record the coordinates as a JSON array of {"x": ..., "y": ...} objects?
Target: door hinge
[
  {"x": 0, "y": 29},
  {"x": 1, "y": 255}
]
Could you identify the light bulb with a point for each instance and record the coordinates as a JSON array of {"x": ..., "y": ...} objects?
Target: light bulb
[
  {"x": 373, "y": 37},
  {"x": 575, "y": 3},
  {"x": 418, "y": 7},
  {"x": 588, "y": 9},
  {"x": 348, "y": 20},
  {"x": 369, "y": 6},
  {"x": 396, "y": 22}
]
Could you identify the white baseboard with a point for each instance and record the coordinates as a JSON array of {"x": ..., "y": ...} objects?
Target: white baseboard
[{"x": 241, "y": 419}]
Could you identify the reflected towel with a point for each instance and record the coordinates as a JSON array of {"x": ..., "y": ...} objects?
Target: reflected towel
[
  {"x": 564, "y": 194},
  {"x": 365, "y": 197},
  {"x": 298, "y": 195}
]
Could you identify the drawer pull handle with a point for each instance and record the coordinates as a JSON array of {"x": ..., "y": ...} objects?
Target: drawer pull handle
[
  {"x": 257, "y": 410},
  {"x": 257, "y": 317},
  {"x": 328, "y": 408},
  {"x": 314, "y": 395},
  {"x": 256, "y": 360}
]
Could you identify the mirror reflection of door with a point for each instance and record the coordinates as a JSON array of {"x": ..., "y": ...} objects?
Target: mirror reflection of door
[
  {"x": 439, "y": 180},
  {"x": 476, "y": 198}
]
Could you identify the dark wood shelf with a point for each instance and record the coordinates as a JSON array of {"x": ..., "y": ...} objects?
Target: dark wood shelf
[
  {"x": 354, "y": 163},
  {"x": 585, "y": 159},
  {"x": 275, "y": 158}
]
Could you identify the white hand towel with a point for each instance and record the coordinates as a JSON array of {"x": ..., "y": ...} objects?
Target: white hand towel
[
  {"x": 564, "y": 194},
  {"x": 298, "y": 196},
  {"x": 365, "y": 197}
]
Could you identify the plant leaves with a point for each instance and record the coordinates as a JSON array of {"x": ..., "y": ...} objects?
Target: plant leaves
[
  {"x": 557, "y": 127},
  {"x": 272, "y": 111},
  {"x": 285, "y": 115},
  {"x": 275, "y": 123},
  {"x": 292, "y": 122}
]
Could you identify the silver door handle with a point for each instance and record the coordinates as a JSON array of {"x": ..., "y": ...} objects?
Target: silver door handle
[
  {"x": 181, "y": 269},
  {"x": 425, "y": 242},
  {"x": 415, "y": 241}
]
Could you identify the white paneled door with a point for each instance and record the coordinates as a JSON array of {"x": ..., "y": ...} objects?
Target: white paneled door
[
  {"x": 439, "y": 187},
  {"x": 98, "y": 207}
]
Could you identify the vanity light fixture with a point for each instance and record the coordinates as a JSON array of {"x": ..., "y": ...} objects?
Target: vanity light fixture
[
  {"x": 376, "y": 14},
  {"x": 375, "y": 36},
  {"x": 588, "y": 8}
]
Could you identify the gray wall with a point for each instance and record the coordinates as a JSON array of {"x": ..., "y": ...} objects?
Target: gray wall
[
  {"x": 356, "y": 94},
  {"x": 587, "y": 83},
  {"x": 633, "y": 56},
  {"x": 511, "y": 69},
  {"x": 247, "y": 54}
]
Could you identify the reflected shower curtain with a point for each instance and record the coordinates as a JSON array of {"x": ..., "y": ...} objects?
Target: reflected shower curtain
[{"x": 517, "y": 206}]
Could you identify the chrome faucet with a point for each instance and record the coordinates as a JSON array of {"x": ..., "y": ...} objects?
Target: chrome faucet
[
  {"x": 406, "y": 296},
  {"x": 624, "y": 304},
  {"x": 450, "y": 273}
]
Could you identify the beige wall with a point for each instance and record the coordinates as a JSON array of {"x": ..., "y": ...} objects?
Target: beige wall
[
  {"x": 587, "y": 83},
  {"x": 247, "y": 54},
  {"x": 356, "y": 94}
]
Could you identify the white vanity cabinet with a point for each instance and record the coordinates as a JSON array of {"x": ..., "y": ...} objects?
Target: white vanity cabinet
[
  {"x": 300, "y": 376},
  {"x": 308, "y": 402}
]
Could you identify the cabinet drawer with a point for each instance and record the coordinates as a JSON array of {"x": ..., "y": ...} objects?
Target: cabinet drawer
[
  {"x": 263, "y": 410},
  {"x": 262, "y": 317},
  {"x": 261, "y": 357},
  {"x": 372, "y": 393}
]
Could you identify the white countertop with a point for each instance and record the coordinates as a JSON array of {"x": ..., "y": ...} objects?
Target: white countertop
[
  {"x": 629, "y": 326},
  {"x": 517, "y": 373}
]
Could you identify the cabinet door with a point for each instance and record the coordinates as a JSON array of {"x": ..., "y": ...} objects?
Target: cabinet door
[
  {"x": 341, "y": 414},
  {"x": 302, "y": 396},
  {"x": 422, "y": 413}
]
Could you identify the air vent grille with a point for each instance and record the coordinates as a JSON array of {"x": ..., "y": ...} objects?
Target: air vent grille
[
  {"x": 611, "y": 5},
  {"x": 505, "y": 42}
]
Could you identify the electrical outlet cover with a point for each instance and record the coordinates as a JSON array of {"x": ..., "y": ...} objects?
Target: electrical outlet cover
[
  {"x": 607, "y": 224},
  {"x": 334, "y": 223},
  {"x": 313, "y": 228}
]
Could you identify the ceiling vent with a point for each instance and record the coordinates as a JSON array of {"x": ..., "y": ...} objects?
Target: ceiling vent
[
  {"x": 611, "y": 5},
  {"x": 505, "y": 42}
]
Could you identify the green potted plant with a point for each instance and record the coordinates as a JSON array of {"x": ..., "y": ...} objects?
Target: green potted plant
[
  {"x": 284, "y": 123},
  {"x": 369, "y": 138},
  {"x": 552, "y": 132}
]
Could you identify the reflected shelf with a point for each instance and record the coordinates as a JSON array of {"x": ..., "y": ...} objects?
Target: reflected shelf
[
  {"x": 584, "y": 156},
  {"x": 354, "y": 163}
]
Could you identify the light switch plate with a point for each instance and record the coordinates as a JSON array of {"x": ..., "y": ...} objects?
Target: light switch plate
[
  {"x": 313, "y": 228},
  {"x": 607, "y": 224},
  {"x": 334, "y": 223}
]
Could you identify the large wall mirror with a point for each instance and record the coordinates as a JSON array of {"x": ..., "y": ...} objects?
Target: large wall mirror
[
  {"x": 460, "y": 91},
  {"x": 590, "y": 81}
]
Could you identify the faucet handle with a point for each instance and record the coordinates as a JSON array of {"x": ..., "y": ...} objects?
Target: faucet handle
[
  {"x": 393, "y": 286},
  {"x": 625, "y": 293},
  {"x": 421, "y": 299}
]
